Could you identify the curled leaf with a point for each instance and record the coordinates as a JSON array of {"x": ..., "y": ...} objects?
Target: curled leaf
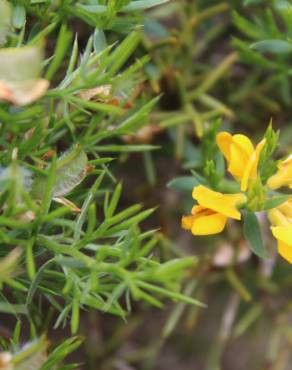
[
  {"x": 273, "y": 46},
  {"x": 71, "y": 169},
  {"x": 20, "y": 70},
  {"x": 9, "y": 265},
  {"x": 32, "y": 356},
  {"x": 23, "y": 93},
  {"x": 142, "y": 5},
  {"x": 67, "y": 203},
  {"x": 144, "y": 135},
  {"x": 97, "y": 93},
  {"x": 27, "y": 216},
  {"x": 5, "y": 361}
]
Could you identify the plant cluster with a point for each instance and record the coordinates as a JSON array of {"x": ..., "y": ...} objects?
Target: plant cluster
[
  {"x": 254, "y": 169},
  {"x": 66, "y": 243}
]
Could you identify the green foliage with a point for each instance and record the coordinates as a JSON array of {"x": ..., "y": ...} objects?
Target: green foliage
[
  {"x": 269, "y": 46},
  {"x": 275, "y": 201},
  {"x": 5, "y": 21},
  {"x": 102, "y": 103},
  {"x": 34, "y": 355},
  {"x": 184, "y": 183},
  {"x": 85, "y": 251},
  {"x": 252, "y": 233},
  {"x": 267, "y": 165}
]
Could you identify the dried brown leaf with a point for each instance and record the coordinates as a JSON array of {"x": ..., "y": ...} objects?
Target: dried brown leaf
[
  {"x": 67, "y": 203},
  {"x": 143, "y": 136},
  {"x": 100, "y": 92},
  {"x": 5, "y": 361},
  {"x": 23, "y": 93}
]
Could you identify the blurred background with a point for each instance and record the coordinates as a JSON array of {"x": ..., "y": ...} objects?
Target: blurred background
[{"x": 214, "y": 63}]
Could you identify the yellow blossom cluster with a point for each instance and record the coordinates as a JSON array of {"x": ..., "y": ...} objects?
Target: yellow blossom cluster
[{"x": 209, "y": 216}]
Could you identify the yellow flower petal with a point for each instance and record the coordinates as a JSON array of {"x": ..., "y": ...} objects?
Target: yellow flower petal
[
  {"x": 187, "y": 222},
  {"x": 197, "y": 209},
  {"x": 209, "y": 224},
  {"x": 286, "y": 162},
  {"x": 286, "y": 208},
  {"x": 244, "y": 143},
  {"x": 277, "y": 218},
  {"x": 281, "y": 218},
  {"x": 224, "y": 140},
  {"x": 204, "y": 221},
  {"x": 283, "y": 234},
  {"x": 241, "y": 156},
  {"x": 283, "y": 177},
  {"x": 250, "y": 171},
  {"x": 238, "y": 161},
  {"x": 236, "y": 150},
  {"x": 285, "y": 251},
  {"x": 226, "y": 204}
]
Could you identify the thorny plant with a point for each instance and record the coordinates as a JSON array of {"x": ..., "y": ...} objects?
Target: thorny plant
[{"x": 65, "y": 241}]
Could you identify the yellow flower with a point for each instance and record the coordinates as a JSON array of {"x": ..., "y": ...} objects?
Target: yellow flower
[
  {"x": 241, "y": 156},
  {"x": 211, "y": 213},
  {"x": 281, "y": 219},
  {"x": 283, "y": 177}
]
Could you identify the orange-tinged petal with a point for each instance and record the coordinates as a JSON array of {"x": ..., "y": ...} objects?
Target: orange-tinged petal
[
  {"x": 285, "y": 251},
  {"x": 209, "y": 225},
  {"x": 187, "y": 222},
  {"x": 196, "y": 209},
  {"x": 283, "y": 234},
  {"x": 225, "y": 204},
  {"x": 250, "y": 170}
]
